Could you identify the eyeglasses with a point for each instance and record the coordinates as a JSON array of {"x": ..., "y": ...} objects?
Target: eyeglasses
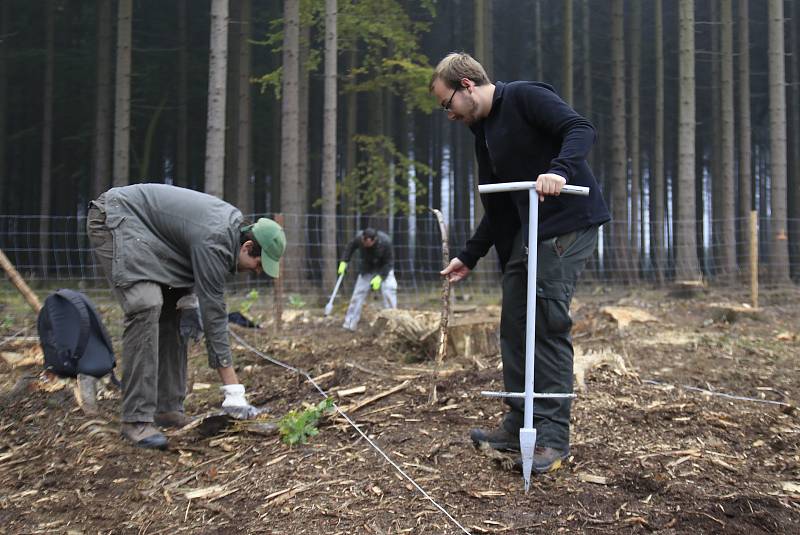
[{"x": 446, "y": 107}]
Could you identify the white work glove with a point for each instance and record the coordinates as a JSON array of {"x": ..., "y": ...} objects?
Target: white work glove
[{"x": 235, "y": 403}]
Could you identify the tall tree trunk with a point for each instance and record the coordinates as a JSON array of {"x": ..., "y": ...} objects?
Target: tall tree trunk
[
  {"x": 47, "y": 134},
  {"x": 351, "y": 128},
  {"x": 244, "y": 167},
  {"x": 217, "y": 77},
  {"x": 714, "y": 162},
  {"x": 687, "y": 266},
  {"x": 182, "y": 134},
  {"x": 587, "y": 71},
  {"x": 779, "y": 245},
  {"x": 745, "y": 143},
  {"x": 727, "y": 189},
  {"x": 619, "y": 174},
  {"x": 3, "y": 104},
  {"x": 657, "y": 197},
  {"x": 102, "y": 118},
  {"x": 232, "y": 112},
  {"x": 566, "y": 53},
  {"x": 329, "y": 147},
  {"x": 483, "y": 35},
  {"x": 122, "y": 105},
  {"x": 634, "y": 149},
  {"x": 587, "y": 61},
  {"x": 537, "y": 38},
  {"x": 485, "y": 52},
  {"x": 290, "y": 123},
  {"x": 794, "y": 145},
  {"x": 303, "y": 87}
]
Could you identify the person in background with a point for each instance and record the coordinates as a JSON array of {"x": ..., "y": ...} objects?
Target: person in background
[
  {"x": 524, "y": 131},
  {"x": 166, "y": 252},
  {"x": 375, "y": 271}
]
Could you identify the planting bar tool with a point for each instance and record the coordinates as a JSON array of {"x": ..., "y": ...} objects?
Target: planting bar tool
[
  {"x": 527, "y": 434},
  {"x": 329, "y": 306}
]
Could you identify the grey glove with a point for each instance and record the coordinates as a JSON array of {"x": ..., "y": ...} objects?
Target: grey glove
[
  {"x": 189, "y": 324},
  {"x": 236, "y": 404}
]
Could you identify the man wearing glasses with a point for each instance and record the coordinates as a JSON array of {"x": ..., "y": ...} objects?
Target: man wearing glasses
[{"x": 524, "y": 131}]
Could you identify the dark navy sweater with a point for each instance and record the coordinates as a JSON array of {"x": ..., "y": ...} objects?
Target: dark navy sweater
[
  {"x": 378, "y": 259},
  {"x": 531, "y": 131}
]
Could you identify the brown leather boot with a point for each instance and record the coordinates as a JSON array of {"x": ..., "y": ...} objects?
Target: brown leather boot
[
  {"x": 143, "y": 435},
  {"x": 172, "y": 419},
  {"x": 498, "y": 439}
]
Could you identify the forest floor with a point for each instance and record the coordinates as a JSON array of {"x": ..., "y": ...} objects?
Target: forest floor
[{"x": 647, "y": 453}]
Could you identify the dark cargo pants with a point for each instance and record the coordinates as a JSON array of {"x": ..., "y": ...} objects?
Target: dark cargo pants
[
  {"x": 153, "y": 354},
  {"x": 560, "y": 262}
]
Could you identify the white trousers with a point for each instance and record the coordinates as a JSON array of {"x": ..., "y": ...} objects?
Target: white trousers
[{"x": 360, "y": 292}]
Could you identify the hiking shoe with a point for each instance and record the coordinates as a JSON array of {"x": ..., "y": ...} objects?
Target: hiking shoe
[
  {"x": 498, "y": 439},
  {"x": 172, "y": 419},
  {"x": 544, "y": 460},
  {"x": 143, "y": 435}
]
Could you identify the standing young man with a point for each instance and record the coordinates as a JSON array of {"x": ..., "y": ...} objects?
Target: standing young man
[
  {"x": 375, "y": 272},
  {"x": 166, "y": 251},
  {"x": 524, "y": 131}
]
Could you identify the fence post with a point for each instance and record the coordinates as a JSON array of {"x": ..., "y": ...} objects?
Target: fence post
[
  {"x": 278, "y": 288},
  {"x": 754, "y": 258}
]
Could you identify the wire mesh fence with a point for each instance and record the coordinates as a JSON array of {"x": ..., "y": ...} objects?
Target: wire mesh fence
[{"x": 55, "y": 251}]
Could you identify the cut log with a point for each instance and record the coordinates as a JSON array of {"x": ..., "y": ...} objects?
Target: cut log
[
  {"x": 730, "y": 313},
  {"x": 468, "y": 337},
  {"x": 687, "y": 289}
]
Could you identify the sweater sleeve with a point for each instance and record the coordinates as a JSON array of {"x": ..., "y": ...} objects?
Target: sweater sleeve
[
  {"x": 351, "y": 248},
  {"x": 209, "y": 264},
  {"x": 548, "y": 111},
  {"x": 478, "y": 245}
]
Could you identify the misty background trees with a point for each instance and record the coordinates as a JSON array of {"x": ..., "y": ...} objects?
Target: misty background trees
[{"x": 318, "y": 109}]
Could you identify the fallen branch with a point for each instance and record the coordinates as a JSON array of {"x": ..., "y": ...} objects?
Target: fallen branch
[
  {"x": 720, "y": 394},
  {"x": 376, "y": 397},
  {"x": 441, "y": 349},
  {"x": 17, "y": 280}
]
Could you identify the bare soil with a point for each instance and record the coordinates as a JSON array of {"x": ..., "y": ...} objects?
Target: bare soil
[{"x": 647, "y": 454}]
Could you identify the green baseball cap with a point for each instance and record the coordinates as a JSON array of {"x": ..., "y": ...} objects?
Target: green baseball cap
[{"x": 272, "y": 240}]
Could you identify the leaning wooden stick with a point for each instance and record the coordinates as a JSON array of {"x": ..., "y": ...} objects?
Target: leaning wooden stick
[
  {"x": 17, "y": 280},
  {"x": 441, "y": 350}
]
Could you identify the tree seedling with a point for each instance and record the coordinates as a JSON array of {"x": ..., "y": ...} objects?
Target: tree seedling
[{"x": 296, "y": 427}]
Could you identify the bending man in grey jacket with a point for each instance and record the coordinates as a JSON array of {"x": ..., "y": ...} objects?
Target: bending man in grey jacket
[
  {"x": 160, "y": 246},
  {"x": 375, "y": 272}
]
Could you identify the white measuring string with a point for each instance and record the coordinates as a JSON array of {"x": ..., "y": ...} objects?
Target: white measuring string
[
  {"x": 720, "y": 394},
  {"x": 346, "y": 417}
]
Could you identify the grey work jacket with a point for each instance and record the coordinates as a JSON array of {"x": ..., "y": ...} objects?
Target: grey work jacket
[{"x": 179, "y": 238}]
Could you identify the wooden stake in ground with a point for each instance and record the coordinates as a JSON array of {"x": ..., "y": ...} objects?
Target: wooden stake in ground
[
  {"x": 19, "y": 282},
  {"x": 442, "y": 348}
]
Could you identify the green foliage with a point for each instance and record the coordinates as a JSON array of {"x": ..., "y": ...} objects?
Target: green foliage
[
  {"x": 248, "y": 302},
  {"x": 296, "y": 427},
  {"x": 383, "y": 171},
  {"x": 295, "y": 301},
  {"x": 382, "y": 30}
]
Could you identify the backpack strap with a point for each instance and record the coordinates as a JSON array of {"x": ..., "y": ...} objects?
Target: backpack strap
[
  {"x": 79, "y": 303},
  {"x": 103, "y": 331}
]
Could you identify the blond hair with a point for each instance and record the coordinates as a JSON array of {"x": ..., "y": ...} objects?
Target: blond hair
[{"x": 458, "y": 65}]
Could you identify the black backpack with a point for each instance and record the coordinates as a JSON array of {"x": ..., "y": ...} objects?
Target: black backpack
[{"x": 73, "y": 337}]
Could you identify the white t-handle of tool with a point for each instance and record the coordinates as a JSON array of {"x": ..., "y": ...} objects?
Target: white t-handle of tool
[{"x": 527, "y": 434}]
